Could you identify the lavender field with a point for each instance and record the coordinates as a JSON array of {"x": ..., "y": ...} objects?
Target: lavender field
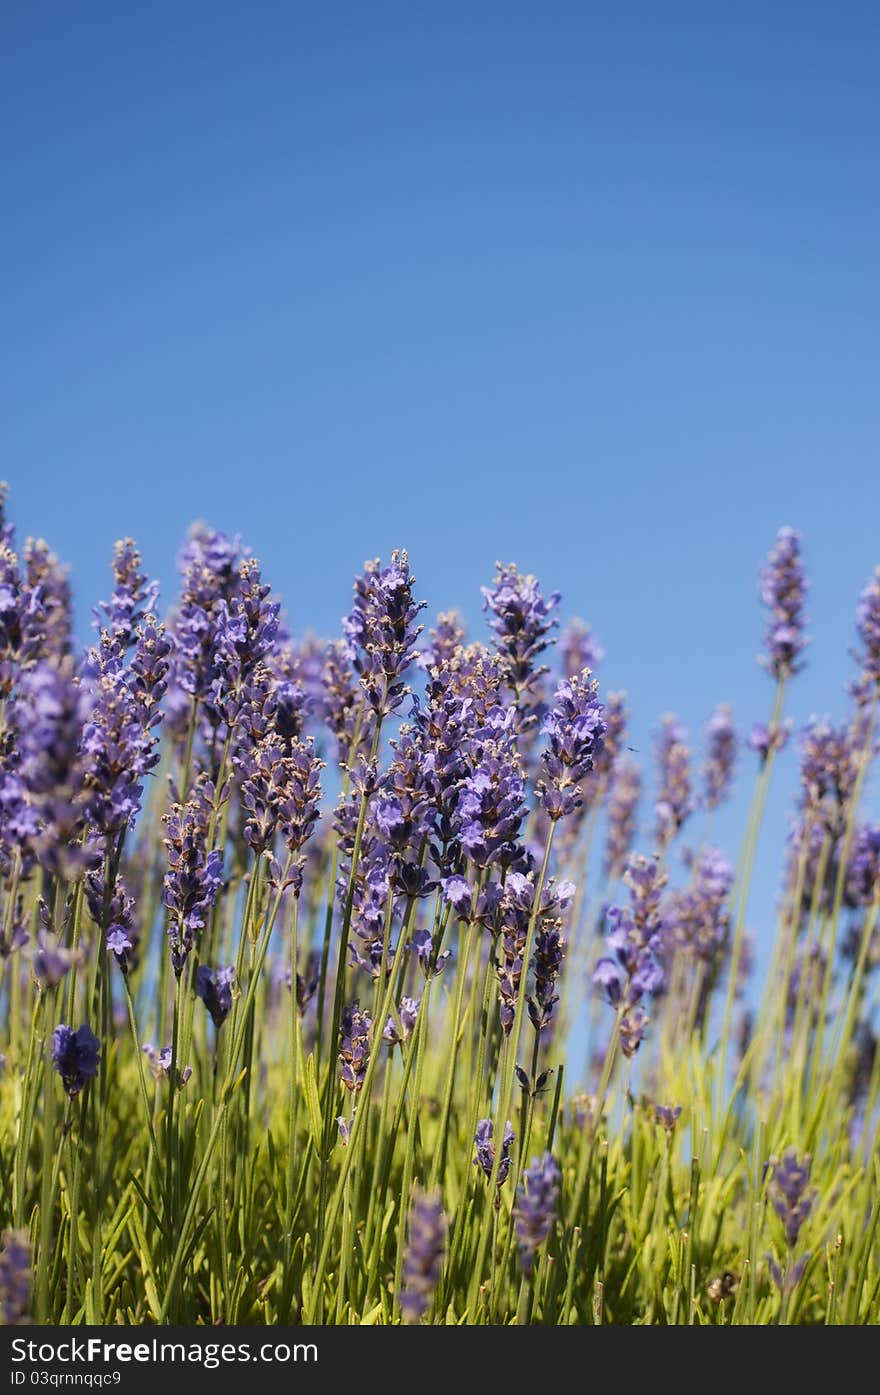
[{"x": 377, "y": 980}]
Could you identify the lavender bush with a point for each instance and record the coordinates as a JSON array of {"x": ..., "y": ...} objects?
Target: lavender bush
[{"x": 377, "y": 863}]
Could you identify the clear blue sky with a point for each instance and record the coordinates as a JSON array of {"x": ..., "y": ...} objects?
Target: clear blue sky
[{"x": 592, "y": 287}]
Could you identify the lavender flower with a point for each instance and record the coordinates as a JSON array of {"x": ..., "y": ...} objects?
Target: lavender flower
[
  {"x": 675, "y": 802},
  {"x": 307, "y": 983},
  {"x": 399, "y": 1028},
  {"x": 216, "y": 990},
  {"x": 160, "y": 1065},
  {"x": 458, "y": 894},
  {"x": 829, "y": 771},
  {"x": 616, "y": 718},
  {"x": 623, "y": 801},
  {"x": 791, "y": 1194},
  {"x": 632, "y": 1030},
  {"x": 485, "y": 1155},
  {"x": 49, "y": 722},
  {"x": 635, "y": 940},
  {"x": 789, "y": 1276},
  {"x": 350, "y": 725},
  {"x": 194, "y": 875},
  {"x": 375, "y": 960},
  {"x": 116, "y": 915},
  {"x": 668, "y": 1115},
  {"x": 868, "y": 629},
  {"x": 721, "y": 749},
  {"x": 47, "y": 605},
  {"x": 120, "y": 945},
  {"x": 75, "y": 1056},
  {"x": 696, "y": 918},
  {"x": 445, "y": 640},
  {"x": 510, "y": 918},
  {"x": 491, "y": 806},
  {"x": 15, "y": 1277},
  {"x": 381, "y": 631},
  {"x": 208, "y": 563},
  {"x": 521, "y": 619},
  {"x": 783, "y": 592},
  {"x": 763, "y": 738},
  {"x": 13, "y": 934},
  {"x": 579, "y": 649},
  {"x": 575, "y": 730},
  {"x": 119, "y": 735},
  {"x": 246, "y": 629},
  {"x": 354, "y": 1050},
  {"x": 535, "y": 1210},
  {"x": 52, "y": 960},
  {"x": 133, "y": 595},
  {"x": 863, "y": 871},
  {"x": 423, "y": 1260},
  {"x": 12, "y": 603},
  {"x": 422, "y": 946},
  {"x": 549, "y": 954}
]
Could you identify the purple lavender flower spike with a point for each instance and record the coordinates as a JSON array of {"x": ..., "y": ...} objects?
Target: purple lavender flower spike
[
  {"x": 783, "y": 593},
  {"x": 216, "y": 990},
  {"x": 423, "y": 1260},
  {"x": 675, "y": 802},
  {"x": 608, "y": 976},
  {"x": 49, "y": 719},
  {"x": 52, "y": 960},
  {"x": 75, "y": 1056},
  {"x": 509, "y": 921},
  {"x": 15, "y": 1277},
  {"x": 13, "y": 609},
  {"x": 575, "y": 732},
  {"x": 116, "y": 915},
  {"x": 400, "y": 1028},
  {"x": 830, "y": 759},
  {"x": 343, "y": 705},
  {"x": 445, "y": 640},
  {"x": 133, "y": 596},
  {"x": 491, "y": 806},
  {"x": 354, "y": 1049},
  {"x": 549, "y": 954},
  {"x": 622, "y": 807},
  {"x": 668, "y": 1115},
  {"x": 697, "y": 918},
  {"x": 635, "y": 938},
  {"x": 863, "y": 871},
  {"x": 632, "y": 1030},
  {"x": 790, "y": 1193},
  {"x": 194, "y": 875},
  {"x": 721, "y": 748},
  {"x": 48, "y": 605},
  {"x": 868, "y": 630},
  {"x": 381, "y": 631},
  {"x": 764, "y": 738},
  {"x": 522, "y": 620},
  {"x": 14, "y": 935},
  {"x": 535, "y": 1210},
  {"x": 485, "y": 1149},
  {"x": 119, "y": 735},
  {"x": 787, "y": 1278},
  {"x": 579, "y": 649},
  {"x": 307, "y": 982}
]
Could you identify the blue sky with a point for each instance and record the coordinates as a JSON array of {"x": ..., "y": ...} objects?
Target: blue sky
[{"x": 592, "y": 287}]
